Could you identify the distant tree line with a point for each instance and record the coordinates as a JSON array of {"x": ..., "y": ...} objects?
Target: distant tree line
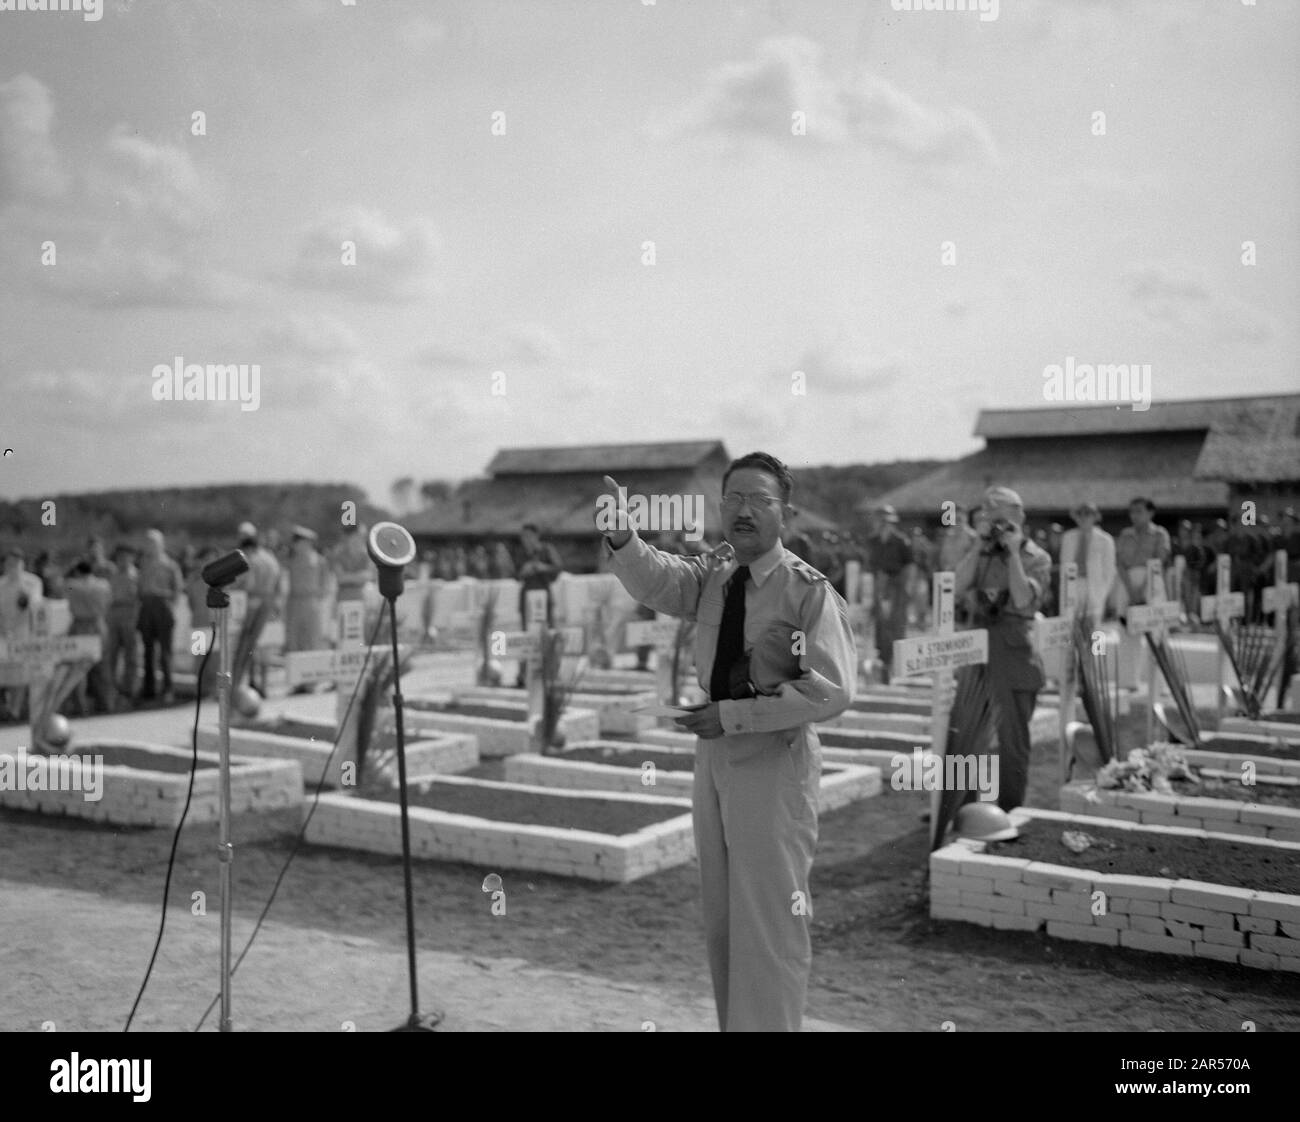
[{"x": 208, "y": 515}]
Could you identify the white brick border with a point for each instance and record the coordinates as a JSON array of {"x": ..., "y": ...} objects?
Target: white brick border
[
  {"x": 1230, "y": 816},
  {"x": 1191, "y": 918},
  {"x": 134, "y": 796},
  {"x": 840, "y": 784},
  {"x": 1272, "y": 730},
  {"x": 356, "y": 823},
  {"x": 615, "y": 709},
  {"x": 882, "y": 758},
  {"x": 495, "y": 737},
  {"x": 434, "y": 753}
]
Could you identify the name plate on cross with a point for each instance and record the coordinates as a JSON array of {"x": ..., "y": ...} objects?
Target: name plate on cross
[
  {"x": 661, "y": 634},
  {"x": 51, "y": 665},
  {"x": 517, "y": 644},
  {"x": 1055, "y": 633},
  {"x": 940, "y": 654},
  {"x": 1157, "y": 613},
  {"x": 1225, "y": 605}
]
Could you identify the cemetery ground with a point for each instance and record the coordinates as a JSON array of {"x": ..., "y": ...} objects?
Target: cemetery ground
[{"x": 79, "y": 911}]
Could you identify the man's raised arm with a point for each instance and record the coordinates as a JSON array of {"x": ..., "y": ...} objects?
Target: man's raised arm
[{"x": 662, "y": 581}]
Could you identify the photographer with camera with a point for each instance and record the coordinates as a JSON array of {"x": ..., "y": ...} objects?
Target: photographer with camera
[{"x": 1003, "y": 583}]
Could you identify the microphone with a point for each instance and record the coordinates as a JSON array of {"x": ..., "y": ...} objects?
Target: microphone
[
  {"x": 218, "y": 573},
  {"x": 391, "y": 548}
]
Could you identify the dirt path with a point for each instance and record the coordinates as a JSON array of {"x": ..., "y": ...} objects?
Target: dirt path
[{"x": 79, "y": 906}]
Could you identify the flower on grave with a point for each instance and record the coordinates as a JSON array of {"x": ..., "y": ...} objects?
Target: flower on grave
[{"x": 1146, "y": 769}]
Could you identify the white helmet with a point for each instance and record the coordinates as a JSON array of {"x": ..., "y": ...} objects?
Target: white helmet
[{"x": 984, "y": 822}]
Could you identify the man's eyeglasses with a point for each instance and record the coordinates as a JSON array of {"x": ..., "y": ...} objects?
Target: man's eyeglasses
[{"x": 734, "y": 500}]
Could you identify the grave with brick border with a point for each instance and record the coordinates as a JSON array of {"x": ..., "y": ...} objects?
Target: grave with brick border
[
  {"x": 1201, "y": 919},
  {"x": 1198, "y": 812},
  {"x": 353, "y": 822},
  {"x": 614, "y": 706},
  {"x": 839, "y": 746},
  {"x": 1284, "y": 730},
  {"x": 1043, "y": 726},
  {"x": 502, "y": 728},
  {"x": 840, "y": 784},
  {"x": 145, "y": 784},
  {"x": 312, "y": 745},
  {"x": 1228, "y": 752}
]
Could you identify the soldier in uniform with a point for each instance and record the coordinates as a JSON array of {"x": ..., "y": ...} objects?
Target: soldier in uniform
[
  {"x": 889, "y": 558},
  {"x": 774, "y": 649},
  {"x": 1004, "y": 583}
]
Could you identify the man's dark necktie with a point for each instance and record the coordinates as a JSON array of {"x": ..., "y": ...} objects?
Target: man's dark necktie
[{"x": 731, "y": 636}]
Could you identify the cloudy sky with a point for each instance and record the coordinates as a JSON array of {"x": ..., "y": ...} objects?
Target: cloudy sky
[{"x": 587, "y": 221}]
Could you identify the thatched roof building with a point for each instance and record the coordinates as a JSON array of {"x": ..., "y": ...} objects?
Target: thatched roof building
[
  {"x": 557, "y": 488},
  {"x": 1194, "y": 459}
]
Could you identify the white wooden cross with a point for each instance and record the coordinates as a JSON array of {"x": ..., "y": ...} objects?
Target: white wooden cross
[
  {"x": 1224, "y": 606},
  {"x": 1056, "y": 634},
  {"x": 36, "y": 663},
  {"x": 939, "y": 654},
  {"x": 528, "y": 644},
  {"x": 1278, "y": 598},
  {"x": 342, "y": 666},
  {"x": 1154, "y": 616},
  {"x": 660, "y": 633},
  {"x": 859, "y": 594}
]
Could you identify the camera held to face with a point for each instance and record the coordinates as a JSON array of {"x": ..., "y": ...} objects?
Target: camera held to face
[{"x": 998, "y": 532}]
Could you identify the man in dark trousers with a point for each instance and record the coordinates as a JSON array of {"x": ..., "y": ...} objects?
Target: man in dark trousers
[
  {"x": 536, "y": 566},
  {"x": 889, "y": 559},
  {"x": 1004, "y": 583},
  {"x": 774, "y": 649}
]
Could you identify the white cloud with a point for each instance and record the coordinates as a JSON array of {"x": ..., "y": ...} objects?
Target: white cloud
[
  {"x": 883, "y": 116},
  {"x": 521, "y": 345},
  {"x": 758, "y": 98},
  {"x": 847, "y": 368},
  {"x": 30, "y": 168},
  {"x": 420, "y": 34},
  {"x": 394, "y": 263},
  {"x": 156, "y": 183},
  {"x": 310, "y": 337},
  {"x": 130, "y": 266},
  {"x": 123, "y": 225},
  {"x": 1181, "y": 301}
]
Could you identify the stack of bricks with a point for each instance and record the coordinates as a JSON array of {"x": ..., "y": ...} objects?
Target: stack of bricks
[
  {"x": 355, "y": 823},
  {"x": 1224, "y": 816},
  {"x": 1192, "y": 918}
]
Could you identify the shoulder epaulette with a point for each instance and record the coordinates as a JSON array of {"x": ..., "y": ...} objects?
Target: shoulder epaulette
[{"x": 811, "y": 575}]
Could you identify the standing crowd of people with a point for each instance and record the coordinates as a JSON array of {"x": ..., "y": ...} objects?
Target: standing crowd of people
[{"x": 129, "y": 597}]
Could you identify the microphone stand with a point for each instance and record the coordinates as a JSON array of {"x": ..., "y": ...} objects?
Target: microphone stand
[
  {"x": 417, "y": 1021},
  {"x": 219, "y": 602}
]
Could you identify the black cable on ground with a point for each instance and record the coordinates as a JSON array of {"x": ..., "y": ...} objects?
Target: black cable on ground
[
  {"x": 171, "y": 859},
  {"x": 297, "y": 842}
]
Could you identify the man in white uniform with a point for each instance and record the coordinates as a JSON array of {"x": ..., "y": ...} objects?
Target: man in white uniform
[{"x": 774, "y": 649}]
